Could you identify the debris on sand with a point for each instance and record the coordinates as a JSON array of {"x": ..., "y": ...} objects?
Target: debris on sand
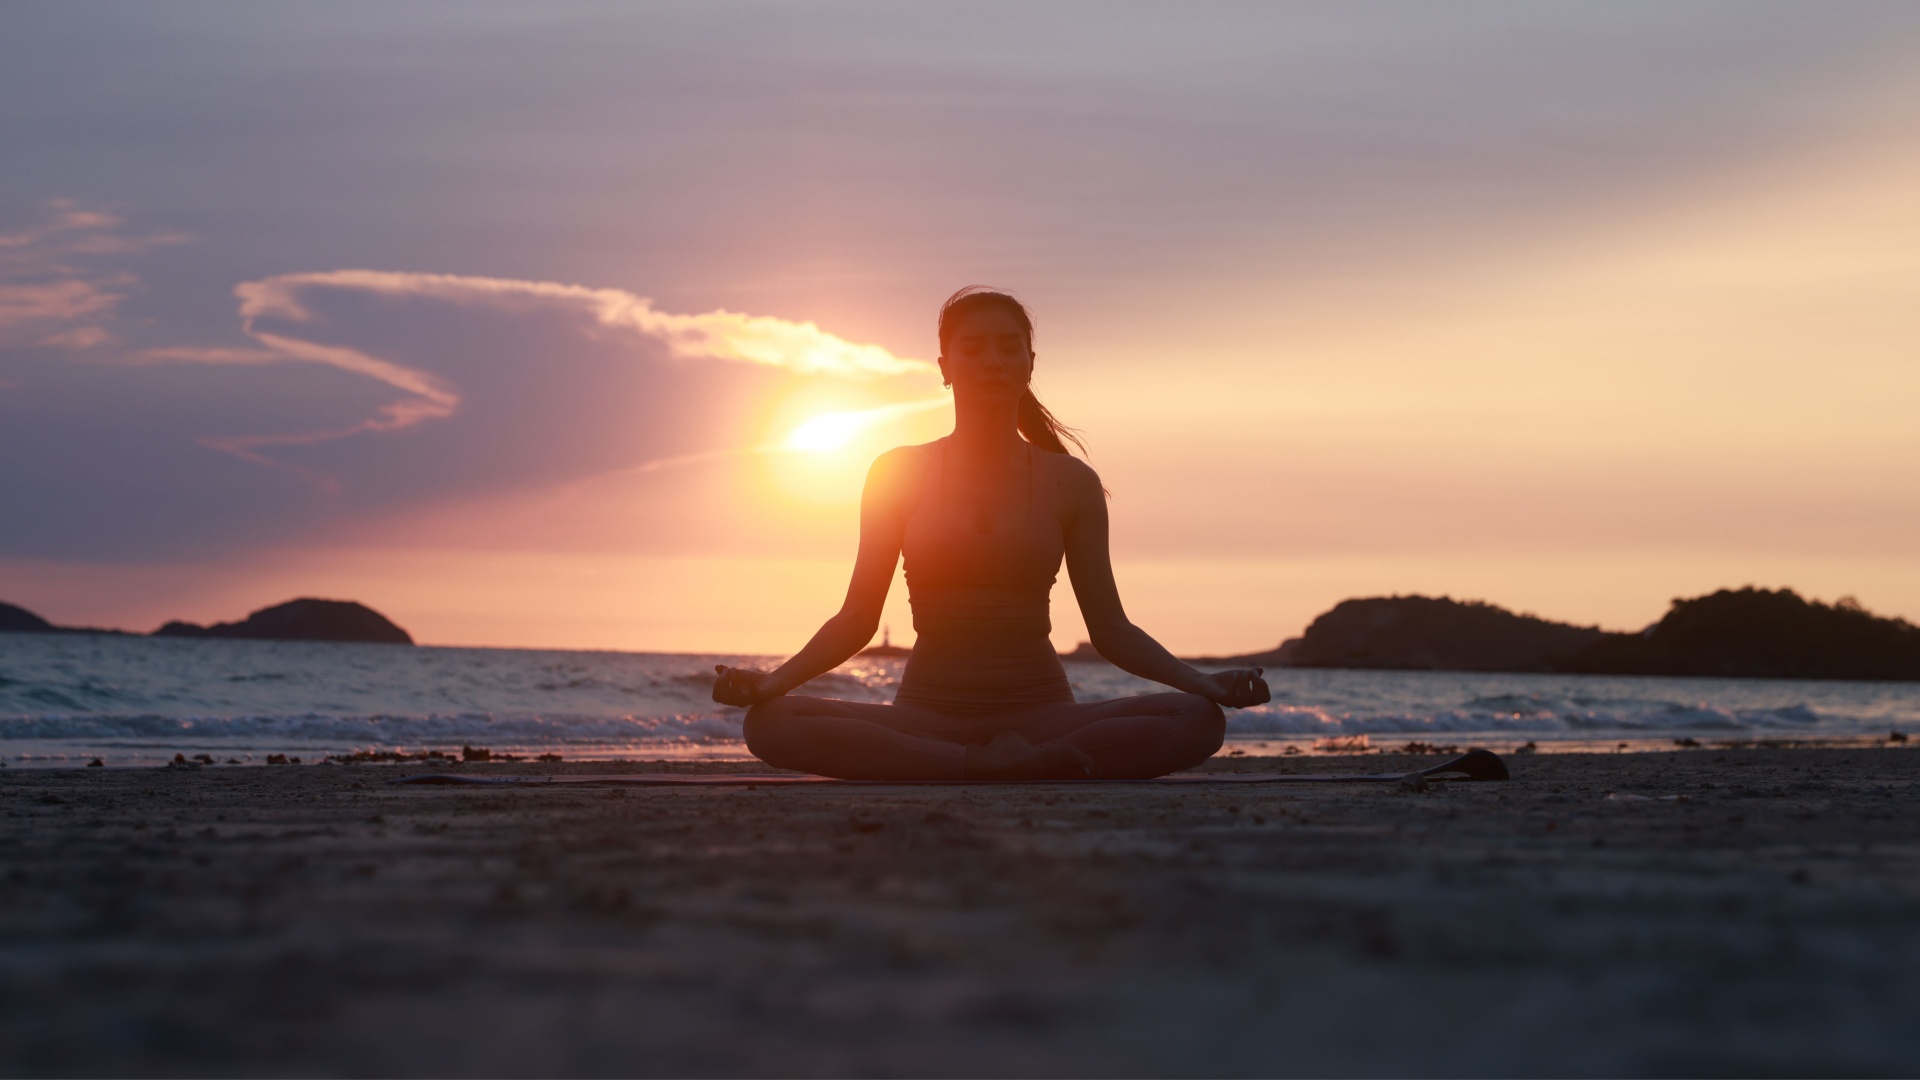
[{"x": 1342, "y": 744}]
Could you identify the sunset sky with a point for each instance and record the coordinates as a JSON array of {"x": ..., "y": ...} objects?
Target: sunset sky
[{"x": 518, "y": 322}]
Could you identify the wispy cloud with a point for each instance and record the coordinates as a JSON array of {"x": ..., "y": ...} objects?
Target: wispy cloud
[
  {"x": 287, "y": 302},
  {"x": 28, "y": 303},
  {"x": 714, "y": 335},
  {"x": 80, "y": 337},
  {"x": 387, "y": 392},
  {"x": 51, "y": 293}
]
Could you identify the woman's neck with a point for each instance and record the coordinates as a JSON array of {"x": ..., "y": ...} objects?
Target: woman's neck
[{"x": 985, "y": 430}]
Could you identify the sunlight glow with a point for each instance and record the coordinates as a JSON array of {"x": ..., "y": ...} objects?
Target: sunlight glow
[{"x": 828, "y": 431}]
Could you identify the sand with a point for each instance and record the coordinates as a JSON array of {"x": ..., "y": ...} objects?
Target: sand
[{"x": 1741, "y": 911}]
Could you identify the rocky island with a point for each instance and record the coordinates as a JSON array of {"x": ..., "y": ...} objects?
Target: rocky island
[
  {"x": 1760, "y": 633},
  {"x": 19, "y": 620},
  {"x": 1732, "y": 633},
  {"x": 305, "y": 619}
]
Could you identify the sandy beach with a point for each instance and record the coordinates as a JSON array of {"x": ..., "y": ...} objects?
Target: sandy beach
[{"x": 1700, "y": 912}]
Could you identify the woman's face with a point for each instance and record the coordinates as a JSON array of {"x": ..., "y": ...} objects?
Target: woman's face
[{"x": 987, "y": 353}]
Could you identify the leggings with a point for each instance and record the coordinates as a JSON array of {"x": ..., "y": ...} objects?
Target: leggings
[{"x": 1136, "y": 737}]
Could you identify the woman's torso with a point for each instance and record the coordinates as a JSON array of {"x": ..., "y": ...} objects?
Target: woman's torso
[{"x": 979, "y": 574}]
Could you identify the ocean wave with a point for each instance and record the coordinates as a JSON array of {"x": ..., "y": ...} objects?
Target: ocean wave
[
  {"x": 380, "y": 731},
  {"x": 1306, "y": 720},
  {"x": 1302, "y": 720},
  {"x": 388, "y": 730}
]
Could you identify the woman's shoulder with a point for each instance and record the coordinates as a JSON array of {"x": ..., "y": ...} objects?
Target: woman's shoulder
[
  {"x": 1067, "y": 470},
  {"x": 912, "y": 456},
  {"x": 1074, "y": 486},
  {"x": 902, "y": 466}
]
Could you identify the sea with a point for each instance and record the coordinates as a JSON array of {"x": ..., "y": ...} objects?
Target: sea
[{"x": 71, "y": 699}]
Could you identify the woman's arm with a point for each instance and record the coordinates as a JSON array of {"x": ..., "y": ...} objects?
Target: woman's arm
[
  {"x": 1122, "y": 644},
  {"x": 882, "y": 527}
]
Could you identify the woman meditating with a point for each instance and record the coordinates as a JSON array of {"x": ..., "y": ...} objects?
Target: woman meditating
[{"x": 983, "y": 518}]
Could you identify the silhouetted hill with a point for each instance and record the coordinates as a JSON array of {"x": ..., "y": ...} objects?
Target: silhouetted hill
[
  {"x": 301, "y": 620},
  {"x": 21, "y": 621},
  {"x": 1435, "y": 634},
  {"x": 1758, "y": 633},
  {"x": 1280, "y": 655},
  {"x": 18, "y": 620}
]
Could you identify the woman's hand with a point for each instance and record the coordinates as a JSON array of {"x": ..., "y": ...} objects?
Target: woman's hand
[
  {"x": 738, "y": 686},
  {"x": 1236, "y": 689}
]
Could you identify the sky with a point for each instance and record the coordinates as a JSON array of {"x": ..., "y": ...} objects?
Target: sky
[{"x": 577, "y": 325}]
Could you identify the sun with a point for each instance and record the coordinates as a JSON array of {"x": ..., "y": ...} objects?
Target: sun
[{"x": 828, "y": 431}]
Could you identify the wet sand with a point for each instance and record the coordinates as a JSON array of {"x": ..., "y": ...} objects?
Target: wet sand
[{"x": 314, "y": 920}]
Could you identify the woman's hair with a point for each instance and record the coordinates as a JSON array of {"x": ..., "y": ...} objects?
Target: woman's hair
[{"x": 1037, "y": 425}]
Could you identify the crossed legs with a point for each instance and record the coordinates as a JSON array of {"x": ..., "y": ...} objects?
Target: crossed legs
[{"x": 1125, "y": 738}]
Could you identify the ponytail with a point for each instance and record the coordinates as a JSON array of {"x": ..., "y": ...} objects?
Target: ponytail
[{"x": 1037, "y": 425}]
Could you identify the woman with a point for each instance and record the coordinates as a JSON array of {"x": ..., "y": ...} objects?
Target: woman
[{"x": 984, "y": 518}]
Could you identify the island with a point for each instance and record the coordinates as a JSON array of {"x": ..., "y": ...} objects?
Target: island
[
  {"x": 1733, "y": 633},
  {"x": 18, "y": 620},
  {"x": 305, "y": 619},
  {"x": 1760, "y": 633}
]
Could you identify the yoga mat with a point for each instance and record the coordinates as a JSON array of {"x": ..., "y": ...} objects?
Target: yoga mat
[{"x": 1473, "y": 765}]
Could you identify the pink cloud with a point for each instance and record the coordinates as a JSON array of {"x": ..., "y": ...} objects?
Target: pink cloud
[
  {"x": 800, "y": 347},
  {"x": 723, "y": 335},
  {"x": 53, "y": 301},
  {"x": 387, "y": 393},
  {"x": 81, "y": 338},
  {"x": 47, "y": 288}
]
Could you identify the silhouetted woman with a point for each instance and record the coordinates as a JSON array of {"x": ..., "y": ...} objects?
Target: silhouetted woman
[{"x": 984, "y": 517}]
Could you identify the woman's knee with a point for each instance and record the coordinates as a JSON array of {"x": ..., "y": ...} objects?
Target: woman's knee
[
  {"x": 765, "y": 728},
  {"x": 1205, "y": 721}
]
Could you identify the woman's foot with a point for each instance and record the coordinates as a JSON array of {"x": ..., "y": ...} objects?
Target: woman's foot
[{"x": 1011, "y": 757}]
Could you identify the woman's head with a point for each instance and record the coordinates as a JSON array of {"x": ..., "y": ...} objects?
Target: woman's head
[
  {"x": 962, "y": 307},
  {"x": 986, "y": 341}
]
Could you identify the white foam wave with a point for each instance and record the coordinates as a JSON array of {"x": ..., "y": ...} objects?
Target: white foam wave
[
  {"x": 1307, "y": 720},
  {"x": 724, "y": 725},
  {"x": 380, "y": 731}
]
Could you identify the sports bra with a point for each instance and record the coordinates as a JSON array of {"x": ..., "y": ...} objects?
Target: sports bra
[{"x": 980, "y": 591}]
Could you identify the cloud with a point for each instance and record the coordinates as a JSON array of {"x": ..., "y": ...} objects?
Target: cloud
[
  {"x": 53, "y": 301},
  {"x": 59, "y": 217},
  {"x": 366, "y": 393},
  {"x": 288, "y": 300},
  {"x": 80, "y": 337},
  {"x": 49, "y": 290},
  {"x": 716, "y": 335}
]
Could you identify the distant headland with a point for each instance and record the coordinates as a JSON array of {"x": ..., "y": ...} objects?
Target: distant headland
[
  {"x": 1732, "y": 633},
  {"x": 305, "y": 619}
]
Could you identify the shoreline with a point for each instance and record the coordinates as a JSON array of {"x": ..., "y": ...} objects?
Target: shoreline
[
  {"x": 1286, "y": 749},
  {"x": 1699, "y": 911}
]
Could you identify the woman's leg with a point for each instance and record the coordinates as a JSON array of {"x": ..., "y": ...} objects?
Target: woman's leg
[
  {"x": 849, "y": 740},
  {"x": 858, "y": 740},
  {"x": 1133, "y": 738},
  {"x": 1126, "y": 738}
]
